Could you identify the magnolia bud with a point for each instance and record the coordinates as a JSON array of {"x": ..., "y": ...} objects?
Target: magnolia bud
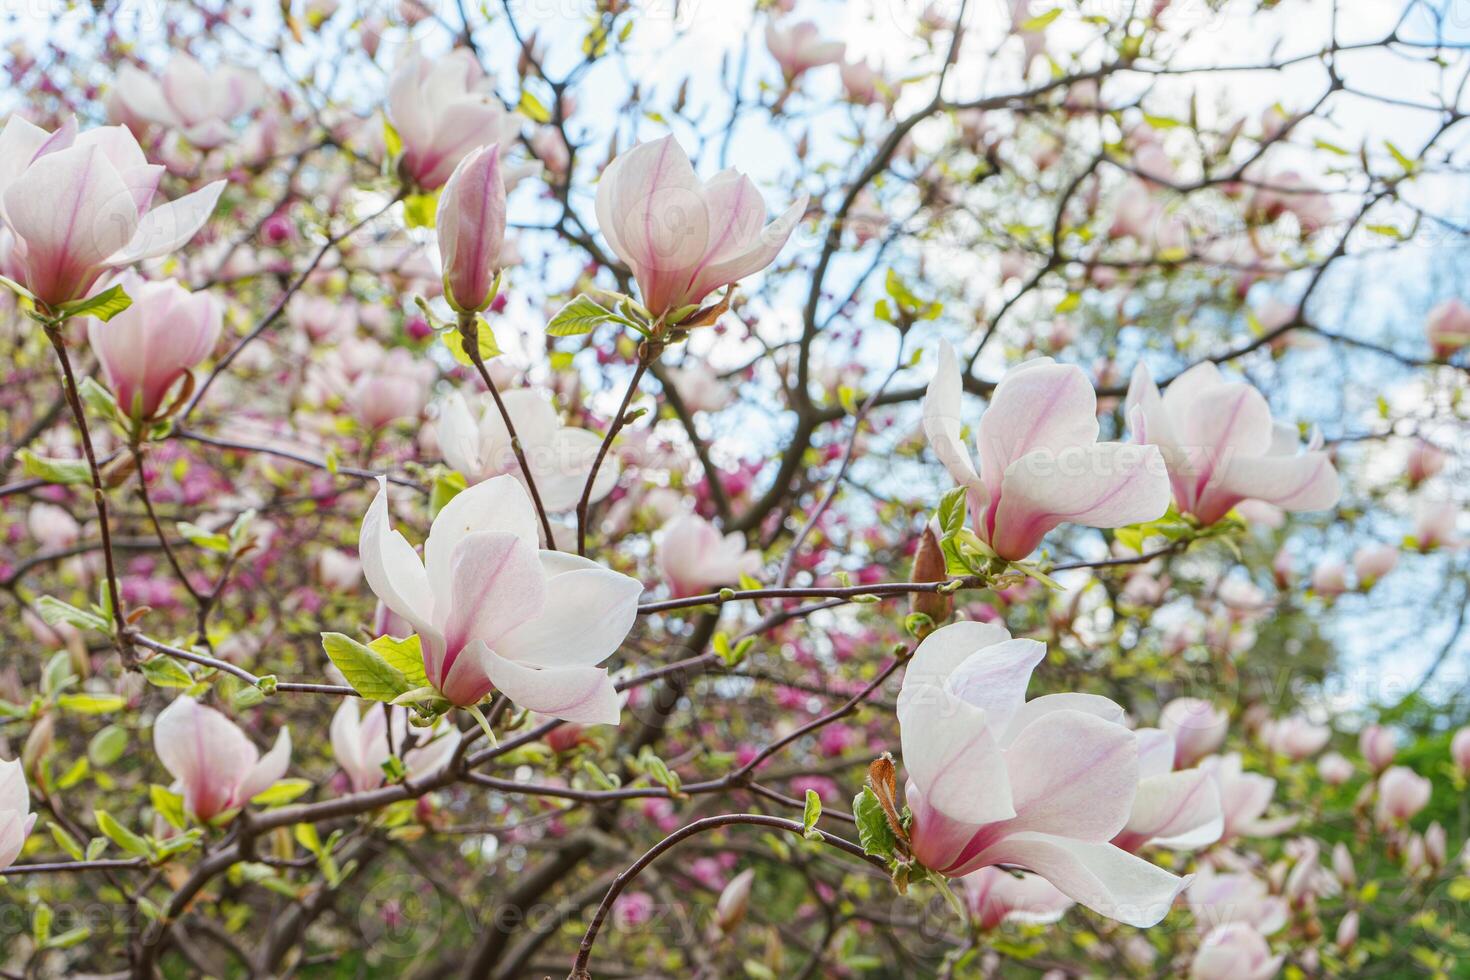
[
  {"x": 1435, "y": 844},
  {"x": 1342, "y": 866},
  {"x": 1377, "y": 745},
  {"x": 38, "y": 743},
  {"x": 1347, "y": 931},
  {"x": 471, "y": 228},
  {"x": 1460, "y": 750},
  {"x": 734, "y": 900},
  {"x": 929, "y": 566}
]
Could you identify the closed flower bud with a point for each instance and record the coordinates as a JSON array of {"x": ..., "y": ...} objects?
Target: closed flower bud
[
  {"x": 1343, "y": 867},
  {"x": 1448, "y": 328},
  {"x": 471, "y": 228},
  {"x": 734, "y": 900},
  {"x": 1378, "y": 745},
  {"x": 929, "y": 566},
  {"x": 1460, "y": 750},
  {"x": 1347, "y": 931}
]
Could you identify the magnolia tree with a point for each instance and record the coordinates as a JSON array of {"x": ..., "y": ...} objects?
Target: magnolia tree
[{"x": 613, "y": 489}]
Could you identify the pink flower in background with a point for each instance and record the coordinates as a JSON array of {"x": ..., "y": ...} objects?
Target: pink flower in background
[
  {"x": 1425, "y": 460},
  {"x": 53, "y": 527},
  {"x": 1436, "y": 525},
  {"x": 993, "y": 896},
  {"x": 1329, "y": 578},
  {"x": 1448, "y": 328},
  {"x": 16, "y": 818},
  {"x": 1216, "y": 899},
  {"x": 363, "y": 741},
  {"x": 1372, "y": 562},
  {"x": 800, "y": 48},
  {"x": 197, "y": 102},
  {"x": 1179, "y": 810},
  {"x": 695, "y": 557},
  {"x": 560, "y": 456},
  {"x": 1244, "y": 797},
  {"x": 442, "y": 107},
  {"x": 1235, "y": 951},
  {"x": 1460, "y": 750},
  {"x": 1402, "y": 793},
  {"x": 682, "y": 237},
  {"x": 494, "y": 612},
  {"x": 397, "y": 387},
  {"x": 80, "y": 204},
  {"x": 1043, "y": 785},
  {"x": 217, "y": 767},
  {"x": 1197, "y": 726},
  {"x": 1040, "y": 462},
  {"x": 1378, "y": 745},
  {"x": 471, "y": 229},
  {"x": 1295, "y": 737},
  {"x": 1222, "y": 446},
  {"x": 1334, "y": 768},
  {"x": 148, "y": 347}
]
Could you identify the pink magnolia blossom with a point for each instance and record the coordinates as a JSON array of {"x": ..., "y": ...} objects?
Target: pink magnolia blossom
[
  {"x": 1295, "y": 737},
  {"x": 683, "y": 237},
  {"x": 1378, "y": 745},
  {"x": 1372, "y": 562},
  {"x": 397, "y": 387},
  {"x": 1197, "y": 726},
  {"x": 494, "y": 612},
  {"x": 217, "y": 767},
  {"x": 16, "y": 818},
  {"x": 1334, "y": 768},
  {"x": 694, "y": 556},
  {"x": 1329, "y": 578},
  {"x": 1040, "y": 462},
  {"x": 1402, "y": 793},
  {"x": 1216, "y": 899},
  {"x": 197, "y": 102},
  {"x": 1244, "y": 797},
  {"x": 864, "y": 84},
  {"x": 1043, "y": 785},
  {"x": 1448, "y": 328},
  {"x": 363, "y": 741},
  {"x": 800, "y": 48},
  {"x": 1460, "y": 750},
  {"x": 993, "y": 896},
  {"x": 442, "y": 107},
  {"x": 560, "y": 456},
  {"x": 1179, "y": 810},
  {"x": 148, "y": 347},
  {"x": 1222, "y": 446},
  {"x": 1235, "y": 952},
  {"x": 1425, "y": 460},
  {"x": 80, "y": 204},
  {"x": 471, "y": 229},
  {"x": 53, "y": 527}
]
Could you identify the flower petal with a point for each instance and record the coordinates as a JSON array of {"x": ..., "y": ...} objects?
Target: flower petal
[
  {"x": 268, "y": 771},
  {"x": 585, "y": 695},
  {"x": 391, "y": 566},
  {"x": 1072, "y": 773},
  {"x": 169, "y": 226},
  {"x": 494, "y": 586},
  {"x": 1038, "y": 405},
  {"x": 499, "y": 504},
  {"x": 1179, "y": 810},
  {"x": 206, "y": 752},
  {"x": 951, "y": 756},
  {"x": 589, "y": 612}
]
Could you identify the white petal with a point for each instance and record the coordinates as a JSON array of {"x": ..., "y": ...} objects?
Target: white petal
[{"x": 169, "y": 226}]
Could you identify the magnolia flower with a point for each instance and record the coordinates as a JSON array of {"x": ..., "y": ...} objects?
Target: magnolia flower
[
  {"x": 699, "y": 387},
  {"x": 338, "y": 570},
  {"x": 212, "y": 760},
  {"x": 321, "y": 317},
  {"x": 1460, "y": 750},
  {"x": 1329, "y": 578},
  {"x": 53, "y": 527},
  {"x": 682, "y": 237},
  {"x": 800, "y": 47},
  {"x": 150, "y": 345},
  {"x": 1222, "y": 446},
  {"x": 493, "y": 612},
  {"x": 442, "y": 108},
  {"x": 1043, "y": 785},
  {"x": 1244, "y": 797},
  {"x": 471, "y": 229},
  {"x": 560, "y": 456},
  {"x": 863, "y": 83},
  {"x": 1402, "y": 793},
  {"x": 1334, "y": 768},
  {"x": 397, "y": 387},
  {"x": 1436, "y": 525},
  {"x": 16, "y": 818},
  {"x": 1448, "y": 328},
  {"x": 1372, "y": 562},
  {"x": 993, "y": 896},
  {"x": 1178, "y": 810},
  {"x": 1295, "y": 737},
  {"x": 1040, "y": 461},
  {"x": 693, "y": 556},
  {"x": 79, "y": 204},
  {"x": 1235, "y": 952},
  {"x": 1425, "y": 460},
  {"x": 1197, "y": 726},
  {"x": 1378, "y": 745},
  {"x": 198, "y": 102},
  {"x": 1216, "y": 899},
  {"x": 362, "y": 743}
]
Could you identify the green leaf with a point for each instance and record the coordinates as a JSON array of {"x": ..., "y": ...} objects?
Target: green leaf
[
  {"x": 370, "y": 675},
  {"x": 392, "y": 142},
  {"x": 92, "y": 704},
  {"x": 282, "y": 792},
  {"x": 580, "y": 316},
  {"x": 952, "y": 507},
  {"x": 1398, "y": 155},
  {"x": 120, "y": 835},
  {"x": 54, "y": 612},
  {"x": 164, "y": 671},
  {"x": 104, "y": 306},
  {"x": 484, "y": 340},
  {"x": 70, "y": 938},
  {"x": 16, "y": 288},
  {"x": 873, "y": 831},
  {"x": 66, "y": 841},
  {"x": 810, "y": 814},
  {"x": 1039, "y": 22},
  {"x": 101, "y": 401},
  {"x": 532, "y": 109},
  {"x": 107, "y": 746},
  {"x": 1069, "y": 303},
  {"x": 168, "y": 805},
  {"x": 405, "y": 655},
  {"x": 64, "y": 471},
  {"x": 208, "y": 540},
  {"x": 418, "y": 210},
  {"x": 446, "y": 487}
]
